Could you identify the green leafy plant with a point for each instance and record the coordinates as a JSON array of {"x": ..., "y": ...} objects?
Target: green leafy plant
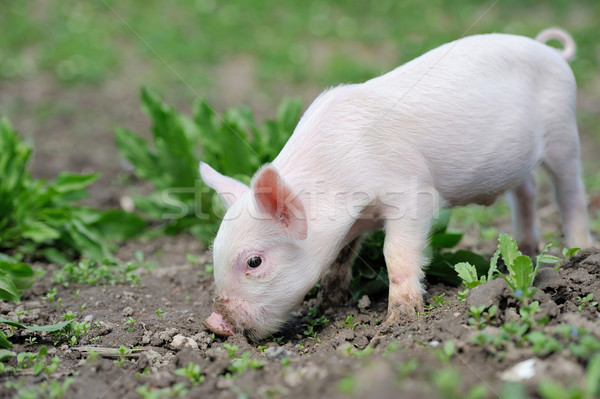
[
  {"x": 52, "y": 389},
  {"x": 312, "y": 323},
  {"x": 74, "y": 331},
  {"x": 232, "y": 143},
  {"x": 41, "y": 219},
  {"x": 160, "y": 313},
  {"x": 350, "y": 350},
  {"x": 349, "y": 323},
  {"x": 130, "y": 322},
  {"x": 231, "y": 350},
  {"x": 14, "y": 279},
  {"x": 586, "y": 302},
  {"x": 92, "y": 272},
  {"x": 176, "y": 391},
  {"x": 193, "y": 372},
  {"x": 240, "y": 365},
  {"x": 542, "y": 344},
  {"x": 4, "y": 343},
  {"x": 480, "y": 317},
  {"x": 122, "y": 352}
]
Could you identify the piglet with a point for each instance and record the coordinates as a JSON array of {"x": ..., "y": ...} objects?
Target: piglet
[{"x": 461, "y": 124}]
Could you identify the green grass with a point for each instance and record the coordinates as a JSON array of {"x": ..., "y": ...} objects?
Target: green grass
[{"x": 312, "y": 41}]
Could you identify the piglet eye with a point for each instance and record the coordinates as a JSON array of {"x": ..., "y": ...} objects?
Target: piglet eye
[{"x": 254, "y": 262}]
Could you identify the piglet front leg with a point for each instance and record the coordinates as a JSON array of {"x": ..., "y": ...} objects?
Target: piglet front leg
[{"x": 405, "y": 240}]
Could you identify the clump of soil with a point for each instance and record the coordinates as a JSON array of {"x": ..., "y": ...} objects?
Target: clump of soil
[{"x": 433, "y": 355}]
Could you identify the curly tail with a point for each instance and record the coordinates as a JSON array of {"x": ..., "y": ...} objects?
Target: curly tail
[{"x": 568, "y": 51}]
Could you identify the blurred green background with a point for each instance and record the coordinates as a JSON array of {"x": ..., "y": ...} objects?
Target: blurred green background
[{"x": 70, "y": 71}]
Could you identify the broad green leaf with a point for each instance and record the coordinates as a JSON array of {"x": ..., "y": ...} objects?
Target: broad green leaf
[
  {"x": 39, "y": 232},
  {"x": 468, "y": 274},
  {"x": 68, "y": 182},
  {"x": 135, "y": 150},
  {"x": 19, "y": 270},
  {"x": 47, "y": 328},
  {"x": 508, "y": 248},
  {"x": 445, "y": 240},
  {"x": 4, "y": 343},
  {"x": 493, "y": 266},
  {"x": 8, "y": 291},
  {"x": 6, "y": 354},
  {"x": 522, "y": 272},
  {"x": 119, "y": 225}
]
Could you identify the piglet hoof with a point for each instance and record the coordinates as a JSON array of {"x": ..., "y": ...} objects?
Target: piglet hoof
[{"x": 406, "y": 311}]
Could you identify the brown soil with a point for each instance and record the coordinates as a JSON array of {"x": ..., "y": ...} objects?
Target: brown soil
[{"x": 317, "y": 367}]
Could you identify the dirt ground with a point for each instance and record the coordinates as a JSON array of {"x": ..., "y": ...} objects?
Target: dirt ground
[{"x": 403, "y": 361}]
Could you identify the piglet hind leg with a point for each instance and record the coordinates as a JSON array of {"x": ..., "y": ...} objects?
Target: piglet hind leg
[
  {"x": 335, "y": 285},
  {"x": 563, "y": 165},
  {"x": 405, "y": 240}
]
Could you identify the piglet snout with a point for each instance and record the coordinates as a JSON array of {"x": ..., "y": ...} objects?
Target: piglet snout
[{"x": 218, "y": 325}]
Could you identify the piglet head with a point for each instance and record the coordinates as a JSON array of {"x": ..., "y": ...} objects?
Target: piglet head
[{"x": 260, "y": 254}]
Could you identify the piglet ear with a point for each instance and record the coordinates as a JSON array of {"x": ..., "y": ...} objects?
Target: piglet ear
[
  {"x": 230, "y": 190},
  {"x": 275, "y": 198}
]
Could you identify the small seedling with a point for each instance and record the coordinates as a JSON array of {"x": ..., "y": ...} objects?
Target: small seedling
[
  {"x": 586, "y": 302},
  {"x": 480, "y": 317},
  {"x": 570, "y": 252},
  {"x": 160, "y": 313},
  {"x": 439, "y": 300},
  {"x": 359, "y": 353},
  {"x": 350, "y": 323},
  {"x": 445, "y": 353},
  {"x": 262, "y": 348},
  {"x": 176, "y": 391},
  {"x": 541, "y": 344},
  {"x": 391, "y": 348},
  {"x": 243, "y": 363},
  {"x": 193, "y": 372},
  {"x": 231, "y": 350},
  {"x": 130, "y": 323},
  {"x": 122, "y": 352}
]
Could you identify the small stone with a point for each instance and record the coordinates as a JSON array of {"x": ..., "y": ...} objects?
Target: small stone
[
  {"x": 278, "y": 353},
  {"x": 127, "y": 203},
  {"x": 128, "y": 311},
  {"x": 511, "y": 315},
  {"x": 488, "y": 294},
  {"x": 179, "y": 341},
  {"x": 364, "y": 302},
  {"x": 106, "y": 327},
  {"x": 88, "y": 318},
  {"x": 520, "y": 371},
  {"x": 293, "y": 379}
]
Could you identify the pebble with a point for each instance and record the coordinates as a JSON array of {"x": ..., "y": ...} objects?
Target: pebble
[
  {"x": 277, "y": 353},
  {"x": 520, "y": 371},
  {"x": 88, "y": 318},
  {"x": 128, "y": 311},
  {"x": 364, "y": 302},
  {"x": 179, "y": 342}
]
